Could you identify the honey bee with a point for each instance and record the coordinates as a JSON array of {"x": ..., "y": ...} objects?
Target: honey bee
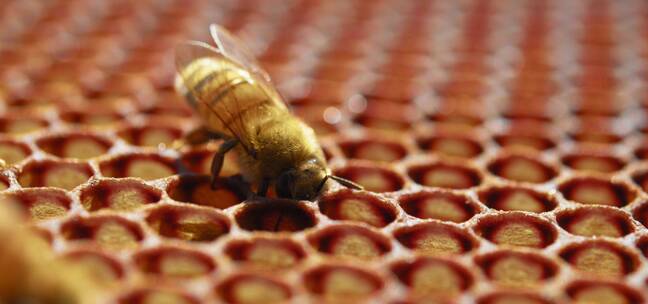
[{"x": 237, "y": 101}]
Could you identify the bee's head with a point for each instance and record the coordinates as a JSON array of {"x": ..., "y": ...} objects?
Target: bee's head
[{"x": 306, "y": 181}]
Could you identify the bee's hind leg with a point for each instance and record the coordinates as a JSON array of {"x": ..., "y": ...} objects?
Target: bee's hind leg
[
  {"x": 197, "y": 136},
  {"x": 219, "y": 157}
]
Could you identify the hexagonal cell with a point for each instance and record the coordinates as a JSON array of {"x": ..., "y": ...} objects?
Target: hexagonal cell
[
  {"x": 516, "y": 297},
  {"x": 640, "y": 213},
  {"x": 145, "y": 166},
  {"x": 601, "y": 137},
  {"x": 253, "y": 289},
  {"x": 174, "y": 262},
  {"x": 433, "y": 238},
  {"x": 358, "y": 207},
  {"x": 199, "y": 159},
  {"x": 602, "y": 292},
  {"x": 517, "y": 268},
  {"x": 154, "y": 295},
  {"x": 522, "y": 168},
  {"x": 445, "y": 175},
  {"x": 440, "y": 205},
  {"x": 272, "y": 253},
  {"x": 451, "y": 145},
  {"x": 97, "y": 118},
  {"x": 386, "y": 115},
  {"x": 196, "y": 189},
  {"x": 150, "y": 136},
  {"x": 118, "y": 194},
  {"x": 593, "y": 162},
  {"x": 640, "y": 178},
  {"x": 517, "y": 198},
  {"x": 188, "y": 223},
  {"x": 4, "y": 182},
  {"x": 516, "y": 229},
  {"x": 40, "y": 203},
  {"x": 433, "y": 276},
  {"x": 600, "y": 258},
  {"x": 597, "y": 191},
  {"x": 372, "y": 177},
  {"x": 59, "y": 174},
  {"x": 339, "y": 282},
  {"x": 275, "y": 215},
  {"x": 373, "y": 150},
  {"x": 102, "y": 267},
  {"x": 12, "y": 151},
  {"x": 18, "y": 124},
  {"x": 593, "y": 221},
  {"x": 535, "y": 142},
  {"x": 350, "y": 241},
  {"x": 75, "y": 145},
  {"x": 109, "y": 232},
  {"x": 642, "y": 245}
]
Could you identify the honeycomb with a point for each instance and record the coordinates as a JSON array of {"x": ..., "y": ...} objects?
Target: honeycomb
[{"x": 501, "y": 145}]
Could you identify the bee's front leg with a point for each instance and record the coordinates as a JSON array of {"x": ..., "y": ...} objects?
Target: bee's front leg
[
  {"x": 263, "y": 187},
  {"x": 219, "y": 157}
]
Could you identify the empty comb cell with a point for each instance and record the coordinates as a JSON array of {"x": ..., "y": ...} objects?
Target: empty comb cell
[
  {"x": 13, "y": 125},
  {"x": 515, "y": 297},
  {"x": 275, "y": 216},
  {"x": 441, "y": 205},
  {"x": 372, "y": 177},
  {"x": 119, "y": 195},
  {"x": 602, "y": 292},
  {"x": 103, "y": 267},
  {"x": 516, "y": 229},
  {"x": 435, "y": 277},
  {"x": 109, "y": 232},
  {"x": 373, "y": 150},
  {"x": 150, "y": 135},
  {"x": 358, "y": 207},
  {"x": 600, "y": 258},
  {"x": 436, "y": 239},
  {"x": 595, "y": 221},
  {"x": 521, "y": 168},
  {"x": 451, "y": 145},
  {"x": 640, "y": 178},
  {"x": 144, "y": 166},
  {"x": 593, "y": 162},
  {"x": 516, "y": 268},
  {"x": 253, "y": 289},
  {"x": 174, "y": 262},
  {"x": 58, "y": 174},
  {"x": 640, "y": 213},
  {"x": 445, "y": 175},
  {"x": 350, "y": 241},
  {"x": 270, "y": 253},
  {"x": 188, "y": 223},
  {"x": 197, "y": 189},
  {"x": 12, "y": 152},
  {"x": 517, "y": 198},
  {"x": 341, "y": 283},
  {"x": 41, "y": 203},
  {"x": 597, "y": 191},
  {"x": 154, "y": 295},
  {"x": 101, "y": 118},
  {"x": 534, "y": 142},
  {"x": 75, "y": 145}
]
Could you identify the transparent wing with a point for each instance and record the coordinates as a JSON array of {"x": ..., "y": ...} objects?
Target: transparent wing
[
  {"x": 233, "y": 48},
  {"x": 203, "y": 74}
]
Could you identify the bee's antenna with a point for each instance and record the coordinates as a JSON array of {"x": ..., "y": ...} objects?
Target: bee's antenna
[{"x": 345, "y": 182}]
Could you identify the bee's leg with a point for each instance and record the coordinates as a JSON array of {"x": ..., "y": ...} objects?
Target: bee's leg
[
  {"x": 197, "y": 136},
  {"x": 263, "y": 187},
  {"x": 219, "y": 157}
]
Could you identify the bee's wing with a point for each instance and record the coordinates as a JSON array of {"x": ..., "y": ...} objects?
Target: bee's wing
[
  {"x": 224, "y": 110},
  {"x": 233, "y": 48}
]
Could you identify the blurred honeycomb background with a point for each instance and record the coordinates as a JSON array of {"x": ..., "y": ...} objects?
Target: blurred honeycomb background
[{"x": 501, "y": 145}]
